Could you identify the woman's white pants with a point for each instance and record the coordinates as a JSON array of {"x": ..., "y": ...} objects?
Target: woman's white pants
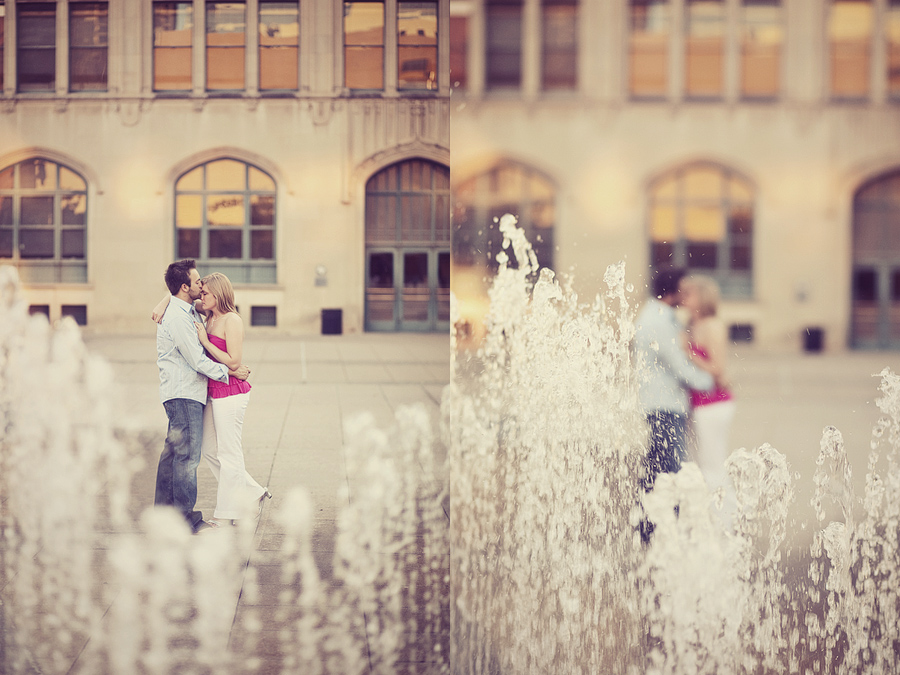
[
  {"x": 710, "y": 448},
  {"x": 223, "y": 420}
]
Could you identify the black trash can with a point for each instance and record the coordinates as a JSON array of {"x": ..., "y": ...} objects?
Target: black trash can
[
  {"x": 813, "y": 340},
  {"x": 332, "y": 321}
]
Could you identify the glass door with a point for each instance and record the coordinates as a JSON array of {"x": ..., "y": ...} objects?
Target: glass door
[
  {"x": 407, "y": 290},
  {"x": 876, "y": 306},
  {"x": 381, "y": 296}
]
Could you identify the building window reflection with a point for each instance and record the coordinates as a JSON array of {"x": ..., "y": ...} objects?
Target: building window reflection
[
  {"x": 762, "y": 37},
  {"x": 701, "y": 219},
  {"x": 649, "y": 48},
  {"x": 459, "y": 38},
  {"x": 850, "y": 44},
  {"x": 417, "y": 34},
  {"x": 279, "y": 45},
  {"x": 704, "y": 48},
  {"x": 36, "y": 53},
  {"x": 225, "y": 219},
  {"x": 504, "y": 44},
  {"x": 559, "y": 68},
  {"x": 88, "y": 46},
  {"x": 364, "y": 44},
  {"x": 225, "y": 45},
  {"x": 43, "y": 219},
  {"x": 173, "y": 27}
]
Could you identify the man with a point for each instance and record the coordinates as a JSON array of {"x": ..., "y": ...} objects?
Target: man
[
  {"x": 660, "y": 346},
  {"x": 183, "y": 371}
]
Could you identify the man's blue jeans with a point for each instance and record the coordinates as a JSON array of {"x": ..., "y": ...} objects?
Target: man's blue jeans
[
  {"x": 176, "y": 476},
  {"x": 667, "y": 444}
]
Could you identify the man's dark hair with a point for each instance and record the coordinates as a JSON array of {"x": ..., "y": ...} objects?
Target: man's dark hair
[
  {"x": 179, "y": 273},
  {"x": 665, "y": 282}
]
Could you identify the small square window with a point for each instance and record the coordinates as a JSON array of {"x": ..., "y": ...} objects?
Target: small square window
[
  {"x": 77, "y": 312},
  {"x": 741, "y": 332},
  {"x": 263, "y": 316},
  {"x": 39, "y": 309}
]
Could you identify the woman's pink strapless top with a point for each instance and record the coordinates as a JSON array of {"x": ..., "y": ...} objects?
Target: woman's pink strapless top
[
  {"x": 717, "y": 395},
  {"x": 234, "y": 386}
]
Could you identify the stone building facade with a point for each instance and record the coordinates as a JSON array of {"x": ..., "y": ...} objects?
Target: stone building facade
[
  {"x": 300, "y": 147},
  {"x": 756, "y": 141}
]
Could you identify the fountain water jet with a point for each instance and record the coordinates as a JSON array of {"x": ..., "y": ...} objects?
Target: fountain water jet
[{"x": 548, "y": 572}]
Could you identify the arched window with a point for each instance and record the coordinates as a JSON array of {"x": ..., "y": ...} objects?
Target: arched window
[
  {"x": 508, "y": 187},
  {"x": 701, "y": 219},
  {"x": 43, "y": 220},
  {"x": 408, "y": 247},
  {"x": 876, "y": 264},
  {"x": 225, "y": 220}
]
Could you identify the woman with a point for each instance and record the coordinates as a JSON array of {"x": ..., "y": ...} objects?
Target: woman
[
  {"x": 712, "y": 411},
  {"x": 239, "y": 495},
  {"x": 223, "y": 418}
]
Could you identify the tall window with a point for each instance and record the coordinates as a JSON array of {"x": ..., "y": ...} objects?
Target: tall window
[
  {"x": 417, "y": 34},
  {"x": 892, "y": 34},
  {"x": 762, "y": 36},
  {"x": 504, "y": 43},
  {"x": 173, "y": 26},
  {"x": 408, "y": 247},
  {"x": 649, "y": 48},
  {"x": 701, "y": 218},
  {"x": 705, "y": 48},
  {"x": 43, "y": 216},
  {"x": 459, "y": 38},
  {"x": 509, "y": 187},
  {"x": 875, "y": 317},
  {"x": 225, "y": 219},
  {"x": 279, "y": 44},
  {"x": 88, "y": 45},
  {"x": 364, "y": 44},
  {"x": 560, "y": 44},
  {"x": 225, "y": 45},
  {"x": 36, "y": 58},
  {"x": 850, "y": 38}
]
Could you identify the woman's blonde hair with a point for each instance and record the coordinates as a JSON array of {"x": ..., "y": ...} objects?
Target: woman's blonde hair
[
  {"x": 707, "y": 293},
  {"x": 222, "y": 290}
]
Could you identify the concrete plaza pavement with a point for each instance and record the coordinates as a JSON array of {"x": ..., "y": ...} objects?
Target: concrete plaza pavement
[{"x": 304, "y": 391}]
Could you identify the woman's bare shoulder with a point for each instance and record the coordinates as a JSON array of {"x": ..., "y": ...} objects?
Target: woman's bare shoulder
[{"x": 234, "y": 319}]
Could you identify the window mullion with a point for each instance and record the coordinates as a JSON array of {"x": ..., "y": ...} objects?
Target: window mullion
[
  {"x": 248, "y": 224},
  {"x": 878, "y": 71},
  {"x": 204, "y": 227},
  {"x": 10, "y": 50},
  {"x": 391, "y": 57},
  {"x": 62, "y": 47},
  {"x": 732, "y": 37},
  {"x": 198, "y": 53},
  {"x": 677, "y": 45},
  {"x": 251, "y": 40},
  {"x": 57, "y": 226},
  {"x": 531, "y": 49},
  {"x": 17, "y": 212}
]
